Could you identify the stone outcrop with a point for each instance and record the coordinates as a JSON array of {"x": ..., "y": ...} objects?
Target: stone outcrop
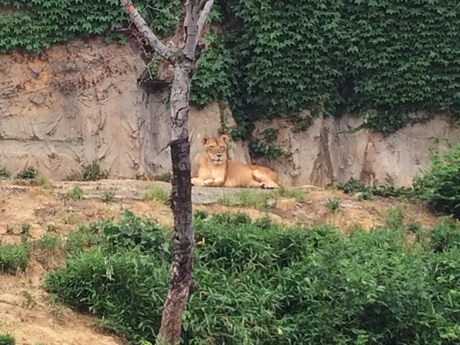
[
  {"x": 328, "y": 154},
  {"x": 82, "y": 101}
]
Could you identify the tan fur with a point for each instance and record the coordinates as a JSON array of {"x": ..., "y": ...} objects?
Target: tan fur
[{"x": 216, "y": 170}]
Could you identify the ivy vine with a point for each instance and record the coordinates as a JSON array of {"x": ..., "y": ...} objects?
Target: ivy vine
[
  {"x": 381, "y": 59},
  {"x": 35, "y": 24}
]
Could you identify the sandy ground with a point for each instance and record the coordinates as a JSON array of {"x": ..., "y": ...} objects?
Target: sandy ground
[{"x": 28, "y": 313}]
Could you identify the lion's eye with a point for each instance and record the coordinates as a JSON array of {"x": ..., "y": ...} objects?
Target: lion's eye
[{"x": 212, "y": 147}]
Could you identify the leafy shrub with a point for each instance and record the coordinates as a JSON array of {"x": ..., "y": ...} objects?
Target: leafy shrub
[
  {"x": 357, "y": 187},
  {"x": 27, "y": 174},
  {"x": 50, "y": 242},
  {"x": 439, "y": 187},
  {"x": 94, "y": 172},
  {"x": 7, "y": 339},
  {"x": 157, "y": 193},
  {"x": 333, "y": 204},
  {"x": 259, "y": 284},
  {"x": 444, "y": 236},
  {"x": 107, "y": 196},
  {"x": 75, "y": 193},
  {"x": 4, "y": 174},
  {"x": 14, "y": 258}
]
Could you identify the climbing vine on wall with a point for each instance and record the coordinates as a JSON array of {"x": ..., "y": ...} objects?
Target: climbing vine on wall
[
  {"x": 381, "y": 59},
  {"x": 35, "y": 24}
]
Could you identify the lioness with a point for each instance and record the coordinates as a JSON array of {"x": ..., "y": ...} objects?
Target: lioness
[{"x": 216, "y": 170}]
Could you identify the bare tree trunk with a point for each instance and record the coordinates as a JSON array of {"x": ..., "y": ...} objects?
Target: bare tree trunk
[{"x": 180, "y": 279}]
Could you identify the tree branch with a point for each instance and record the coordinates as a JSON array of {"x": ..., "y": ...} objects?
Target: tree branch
[
  {"x": 203, "y": 15},
  {"x": 136, "y": 18}
]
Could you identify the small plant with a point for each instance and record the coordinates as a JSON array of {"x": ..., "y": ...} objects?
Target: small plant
[
  {"x": 74, "y": 193},
  {"x": 4, "y": 174},
  {"x": 90, "y": 172},
  {"x": 333, "y": 204},
  {"x": 50, "y": 242},
  {"x": 165, "y": 177},
  {"x": 27, "y": 174},
  {"x": 107, "y": 196},
  {"x": 14, "y": 258},
  {"x": 395, "y": 218},
  {"x": 157, "y": 193},
  {"x": 25, "y": 228},
  {"x": 7, "y": 339},
  {"x": 29, "y": 299},
  {"x": 9, "y": 229},
  {"x": 93, "y": 172}
]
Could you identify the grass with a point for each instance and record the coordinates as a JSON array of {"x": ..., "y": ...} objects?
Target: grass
[
  {"x": 157, "y": 193},
  {"x": 261, "y": 200},
  {"x": 4, "y": 174},
  {"x": 7, "y": 339},
  {"x": 75, "y": 193},
  {"x": 333, "y": 204},
  {"x": 14, "y": 258},
  {"x": 50, "y": 242},
  {"x": 107, "y": 196}
]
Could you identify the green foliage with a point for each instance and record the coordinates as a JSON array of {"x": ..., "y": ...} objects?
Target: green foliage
[
  {"x": 14, "y": 258},
  {"x": 7, "y": 339},
  {"x": 357, "y": 188},
  {"x": 35, "y": 25},
  {"x": 4, "y": 174},
  {"x": 93, "y": 172},
  {"x": 27, "y": 174},
  {"x": 107, "y": 196},
  {"x": 75, "y": 193},
  {"x": 265, "y": 146},
  {"x": 157, "y": 193},
  {"x": 164, "y": 177},
  {"x": 372, "y": 58},
  {"x": 212, "y": 80},
  {"x": 333, "y": 204},
  {"x": 259, "y": 284},
  {"x": 50, "y": 242},
  {"x": 439, "y": 187}
]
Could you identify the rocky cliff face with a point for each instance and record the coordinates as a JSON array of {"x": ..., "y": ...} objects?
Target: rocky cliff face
[
  {"x": 326, "y": 155},
  {"x": 81, "y": 101}
]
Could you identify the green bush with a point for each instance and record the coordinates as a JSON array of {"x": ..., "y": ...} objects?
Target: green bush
[
  {"x": 439, "y": 186},
  {"x": 7, "y": 339},
  {"x": 261, "y": 284},
  {"x": 14, "y": 258}
]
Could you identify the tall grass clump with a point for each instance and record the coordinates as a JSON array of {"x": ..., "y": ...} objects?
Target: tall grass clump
[{"x": 257, "y": 283}]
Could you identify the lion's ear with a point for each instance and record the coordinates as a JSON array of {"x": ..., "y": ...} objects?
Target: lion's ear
[
  {"x": 224, "y": 137},
  {"x": 205, "y": 139}
]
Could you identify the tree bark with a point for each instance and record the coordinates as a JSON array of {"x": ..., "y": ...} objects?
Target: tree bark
[{"x": 180, "y": 279}]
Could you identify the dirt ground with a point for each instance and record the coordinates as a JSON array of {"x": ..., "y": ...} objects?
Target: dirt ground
[{"x": 28, "y": 313}]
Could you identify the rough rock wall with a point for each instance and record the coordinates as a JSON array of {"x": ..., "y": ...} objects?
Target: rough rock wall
[
  {"x": 326, "y": 155},
  {"x": 81, "y": 101}
]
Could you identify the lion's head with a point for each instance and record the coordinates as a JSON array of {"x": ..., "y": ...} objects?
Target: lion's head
[{"x": 216, "y": 148}]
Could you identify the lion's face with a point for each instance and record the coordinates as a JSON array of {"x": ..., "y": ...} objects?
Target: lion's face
[{"x": 216, "y": 148}]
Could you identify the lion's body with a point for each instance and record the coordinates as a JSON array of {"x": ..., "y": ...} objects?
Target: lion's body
[{"x": 215, "y": 169}]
